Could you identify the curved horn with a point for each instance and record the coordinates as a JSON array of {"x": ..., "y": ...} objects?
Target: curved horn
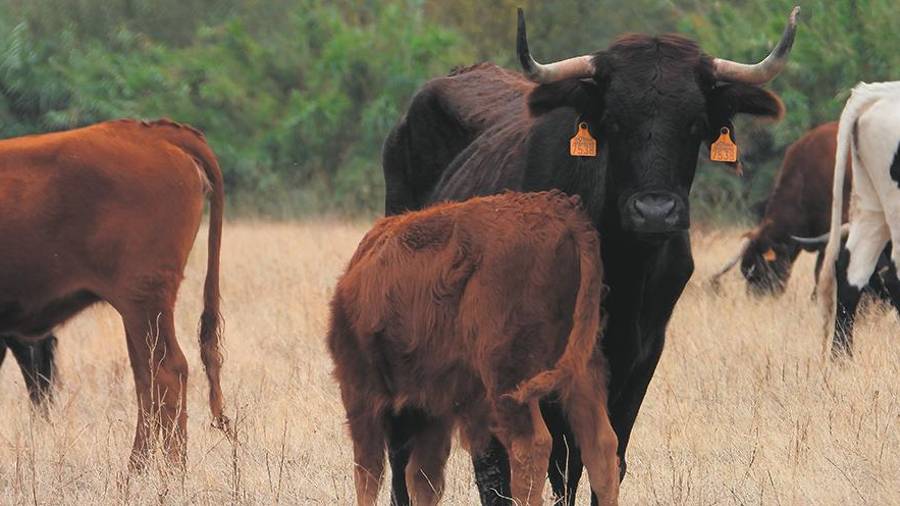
[
  {"x": 820, "y": 240},
  {"x": 580, "y": 66},
  {"x": 745, "y": 243},
  {"x": 766, "y": 70}
]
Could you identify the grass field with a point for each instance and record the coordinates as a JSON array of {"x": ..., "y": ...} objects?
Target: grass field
[{"x": 742, "y": 409}]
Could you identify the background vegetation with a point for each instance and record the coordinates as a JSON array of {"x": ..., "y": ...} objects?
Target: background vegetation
[{"x": 296, "y": 96}]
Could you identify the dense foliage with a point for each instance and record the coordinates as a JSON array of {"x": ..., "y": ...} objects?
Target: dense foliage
[{"x": 296, "y": 96}]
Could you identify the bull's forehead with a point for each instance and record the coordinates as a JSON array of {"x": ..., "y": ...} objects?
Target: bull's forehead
[
  {"x": 655, "y": 73},
  {"x": 633, "y": 99}
]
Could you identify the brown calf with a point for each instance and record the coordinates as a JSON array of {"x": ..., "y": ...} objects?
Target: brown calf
[
  {"x": 471, "y": 312},
  {"x": 109, "y": 213}
]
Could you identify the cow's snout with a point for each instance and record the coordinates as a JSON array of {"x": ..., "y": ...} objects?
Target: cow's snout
[{"x": 655, "y": 212}]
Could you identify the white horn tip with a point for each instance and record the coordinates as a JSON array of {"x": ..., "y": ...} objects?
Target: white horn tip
[{"x": 795, "y": 14}]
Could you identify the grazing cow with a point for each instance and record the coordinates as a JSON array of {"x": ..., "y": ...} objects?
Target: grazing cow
[
  {"x": 109, "y": 213},
  {"x": 799, "y": 205},
  {"x": 796, "y": 218},
  {"x": 869, "y": 137},
  {"x": 470, "y": 313},
  {"x": 635, "y": 115},
  {"x": 36, "y": 361}
]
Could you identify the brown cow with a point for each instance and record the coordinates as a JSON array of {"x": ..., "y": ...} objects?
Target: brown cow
[
  {"x": 471, "y": 312},
  {"x": 109, "y": 213},
  {"x": 799, "y": 205}
]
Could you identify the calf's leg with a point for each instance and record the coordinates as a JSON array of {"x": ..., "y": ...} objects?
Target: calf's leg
[
  {"x": 589, "y": 419},
  {"x": 524, "y": 434},
  {"x": 368, "y": 438},
  {"x": 425, "y": 471},
  {"x": 565, "y": 466}
]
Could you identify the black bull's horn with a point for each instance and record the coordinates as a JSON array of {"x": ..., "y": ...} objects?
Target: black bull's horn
[
  {"x": 724, "y": 70},
  {"x": 820, "y": 240}
]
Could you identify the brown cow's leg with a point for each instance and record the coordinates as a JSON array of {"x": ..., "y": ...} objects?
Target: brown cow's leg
[
  {"x": 528, "y": 444},
  {"x": 588, "y": 417},
  {"x": 425, "y": 471},
  {"x": 368, "y": 453},
  {"x": 160, "y": 376}
]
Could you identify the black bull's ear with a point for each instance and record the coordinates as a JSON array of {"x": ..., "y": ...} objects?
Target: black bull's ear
[
  {"x": 728, "y": 100},
  {"x": 580, "y": 94}
]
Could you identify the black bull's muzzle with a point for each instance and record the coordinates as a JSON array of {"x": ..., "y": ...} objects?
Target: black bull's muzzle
[{"x": 655, "y": 212}]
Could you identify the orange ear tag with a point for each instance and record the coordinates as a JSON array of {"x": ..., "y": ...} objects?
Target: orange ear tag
[
  {"x": 769, "y": 255},
  {"x": 723, "y": 150},
  {"x": 583, "y": 144}
]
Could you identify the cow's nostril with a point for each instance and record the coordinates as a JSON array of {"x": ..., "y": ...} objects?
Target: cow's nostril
[
  {"x": 642, "y": 208},
  {"x": 667, "y": 207}
]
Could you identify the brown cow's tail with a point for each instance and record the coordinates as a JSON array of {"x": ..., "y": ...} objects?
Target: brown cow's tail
[
  {"x": 211, "y": 320},
  {"x": 585, "y": 326},
  {"x": 194, "y": 144}
]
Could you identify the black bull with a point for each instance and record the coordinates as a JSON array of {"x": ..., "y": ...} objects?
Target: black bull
[{"x": 650, "y": 102}]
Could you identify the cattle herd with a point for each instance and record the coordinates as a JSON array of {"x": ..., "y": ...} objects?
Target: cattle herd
[{"x": 483, "y": 302}]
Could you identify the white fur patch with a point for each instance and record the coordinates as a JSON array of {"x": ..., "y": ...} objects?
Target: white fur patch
[{"x": 875, "y": 216}]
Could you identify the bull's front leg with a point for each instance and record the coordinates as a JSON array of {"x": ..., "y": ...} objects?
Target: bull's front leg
[{"x": 668, "y": 272}]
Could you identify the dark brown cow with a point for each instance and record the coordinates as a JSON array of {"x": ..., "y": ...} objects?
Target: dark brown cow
[
  {"x": 109, "y": 213},
  {"x": 471, "y": 312},
  {"x": 799, "y": 205}
]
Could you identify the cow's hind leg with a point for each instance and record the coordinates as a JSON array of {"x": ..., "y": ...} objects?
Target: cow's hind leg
[
  {"x": 855, "y": 265},
  {"x": 368, "y": 437},
  {"x": 565, "y": 465},
  {"x": 160, "y": 375},
  {"x": 523, "y": 432},
  {"x": 425, "y": 472},
  {"x": 36, "y": 360},
  {"x": 587, "y": 413}
]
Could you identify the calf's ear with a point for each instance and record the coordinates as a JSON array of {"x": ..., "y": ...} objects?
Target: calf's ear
[
  {"x": 580, "y": 94},
  {"x": 730, "y": 99}
]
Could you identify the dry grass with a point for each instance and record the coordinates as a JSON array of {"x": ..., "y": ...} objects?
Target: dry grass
[{"x": 741, "y": 411}]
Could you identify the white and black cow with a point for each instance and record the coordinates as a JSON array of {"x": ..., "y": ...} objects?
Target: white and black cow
[{"x": 869, "y": 133}]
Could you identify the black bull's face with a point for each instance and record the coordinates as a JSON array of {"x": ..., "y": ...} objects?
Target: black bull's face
[
  {"x": 652, "y": 102},
  {"x": 651, "y": 107}
]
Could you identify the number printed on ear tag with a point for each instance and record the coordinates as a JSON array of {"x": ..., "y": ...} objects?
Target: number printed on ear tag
[
  {"x": 723, "y": 150},
  {"x": 583, "y": 144}
]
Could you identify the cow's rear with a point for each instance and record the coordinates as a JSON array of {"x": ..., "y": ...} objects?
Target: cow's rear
[
  {"x": 471, "y": 313},
  {"x": 110, "y": 213}
]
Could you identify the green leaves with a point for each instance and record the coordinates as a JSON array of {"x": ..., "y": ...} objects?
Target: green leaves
[
  {"x": 291, "y": 94},
  {"x": 296, "y": 96}
]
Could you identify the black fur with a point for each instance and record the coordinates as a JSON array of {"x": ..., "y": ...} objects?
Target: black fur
[
  {"x": 36, "y": 360},
  {"x": 895, "y": 167}
]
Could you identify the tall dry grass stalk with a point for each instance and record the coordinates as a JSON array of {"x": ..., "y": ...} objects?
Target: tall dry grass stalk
[{"x": 741, "y": 411}]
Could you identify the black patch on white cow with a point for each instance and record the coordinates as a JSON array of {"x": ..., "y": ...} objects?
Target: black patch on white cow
[{"x": 895, "y": 167}]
